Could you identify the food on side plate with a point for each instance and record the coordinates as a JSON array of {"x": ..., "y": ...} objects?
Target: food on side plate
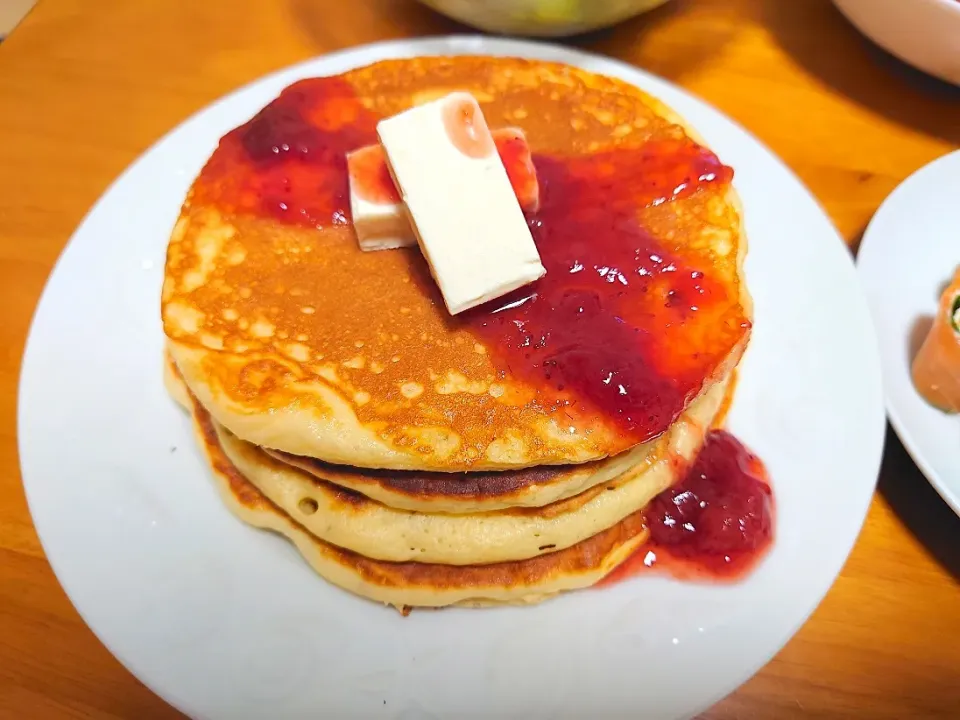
[
  {"x": 426, "y": 453},
  {"x": 936, "y": 366}
]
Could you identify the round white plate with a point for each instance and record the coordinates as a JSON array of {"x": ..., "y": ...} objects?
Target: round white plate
[
  {"x": 225, "y": 621},
  {"x": 908, "y": 254}
]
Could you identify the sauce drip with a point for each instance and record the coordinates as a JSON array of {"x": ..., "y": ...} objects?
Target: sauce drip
[
  {"x": 715, "y": 524},
  {"x": 609, "y": 324}
]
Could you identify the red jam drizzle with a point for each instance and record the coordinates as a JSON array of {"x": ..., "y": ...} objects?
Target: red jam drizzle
[
  {"x": 289, "y": 160},
  {"x": 606, "y": 324},
  {"x": 715, "y": 524}
]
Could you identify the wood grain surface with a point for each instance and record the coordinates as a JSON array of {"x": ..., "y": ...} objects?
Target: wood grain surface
[{"x": 87, "y": 85}]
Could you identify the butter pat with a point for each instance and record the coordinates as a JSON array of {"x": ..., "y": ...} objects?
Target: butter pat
[
  {"x": 379, "y": 217},
  {"x": 460, "y": 202}
]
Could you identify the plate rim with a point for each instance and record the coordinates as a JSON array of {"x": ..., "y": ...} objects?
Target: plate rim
[
  {"x": 465, "y": 44},
  {"x": 900, "y": 426}
]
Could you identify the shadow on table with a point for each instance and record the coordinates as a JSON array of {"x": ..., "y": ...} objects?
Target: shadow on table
[
  {"x": 918, "y": 505},
  {"x": 839, "y": 55}
]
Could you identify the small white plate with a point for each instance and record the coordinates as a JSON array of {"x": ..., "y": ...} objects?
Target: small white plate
[
  {"x": 225, "y": 621},
  {"x": 908, "y": 254}
]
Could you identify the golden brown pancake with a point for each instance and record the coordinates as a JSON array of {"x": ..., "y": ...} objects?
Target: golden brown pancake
[
  {"x": 414, "y": 584},
  {"x": 296, "y": 341}
]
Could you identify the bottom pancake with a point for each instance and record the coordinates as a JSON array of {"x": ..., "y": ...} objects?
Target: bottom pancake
[{"x": 412, "y": 584}]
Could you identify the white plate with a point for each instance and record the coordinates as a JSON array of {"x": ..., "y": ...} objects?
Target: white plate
[
  {"x": 923, "y": 33},
  {"x": 225, "y": 621},
  {"x": 908, "y": 254}
]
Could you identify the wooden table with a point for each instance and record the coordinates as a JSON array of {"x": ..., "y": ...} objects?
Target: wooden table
[{"x": 87, "y": 85}]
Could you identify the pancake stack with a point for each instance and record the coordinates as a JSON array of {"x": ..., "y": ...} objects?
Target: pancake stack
[{"x": 420, "y": 459}]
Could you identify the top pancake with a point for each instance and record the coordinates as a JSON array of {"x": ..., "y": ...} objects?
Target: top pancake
[{"x": 294, "y": 339}]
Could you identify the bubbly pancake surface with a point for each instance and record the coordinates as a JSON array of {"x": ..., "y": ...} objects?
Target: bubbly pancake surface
[{"x": 297, "y": 341}]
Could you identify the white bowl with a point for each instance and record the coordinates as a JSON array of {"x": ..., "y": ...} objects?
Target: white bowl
[
  {"x": 541, "y": 18},
  {"x": 923, "y": 33}
]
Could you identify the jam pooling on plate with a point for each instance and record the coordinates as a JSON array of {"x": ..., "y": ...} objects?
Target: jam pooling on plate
[
  {"x": 717, "y": 523},
  {"x": 620, "y": 330}
]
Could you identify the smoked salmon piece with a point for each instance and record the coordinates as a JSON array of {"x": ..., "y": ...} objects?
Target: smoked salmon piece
[{"x": 936, "y": 368}]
